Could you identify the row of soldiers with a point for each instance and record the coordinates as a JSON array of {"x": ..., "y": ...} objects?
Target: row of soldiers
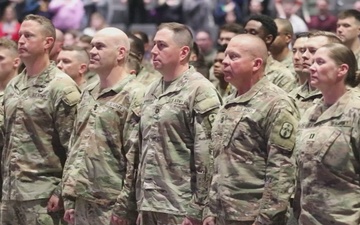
[{"x": 176, "y": 152}]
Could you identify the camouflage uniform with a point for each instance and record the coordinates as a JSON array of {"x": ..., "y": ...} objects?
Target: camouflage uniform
[
  {"x": 103, "y": 151},
  {"x": 253, "y": 139},
  {"x": 280, "y": 75},
  {"x": 357, "y": 56},
  {"x": 175, "y": 159},
  {"x": 327, "y": 150},
  {"x": 289, "y": 64},
  {"x": 146, "y": 77},
  {"x": 225, "y": 92},
  {"x": 39, "y": 116},
  {"x": 305, "y": 97},
  {"x": 91, "y": 77}
]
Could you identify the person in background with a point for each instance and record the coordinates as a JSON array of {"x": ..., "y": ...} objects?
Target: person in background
[
  {"x": 224, "y": 88},
  {"x": 206, "y": 46},
  {"x": 97, "y": 22},
  {"x": 198, "y": 62},
  {"x": 227, "y": 11},
  {"x": 9, "y": 26},
  {"x": 74, "y": 61},
  {"x": 40, "y": 107},
  {"x": 287, "y": 9},
  {"x": 136, "y": 54},
  {"x": 59, "y": 42},
  {"x": 84, "y": 41},
  {"x": 67, "y": 14},
  {"x": 327, "y": 142},
  {"x": 70, "y": 37},
  {"x": 280, "y": 48},
  {"x": 324, "y": 20},
  {"x": 252, "y": 141},
  {"x": 348, "y": 30}
]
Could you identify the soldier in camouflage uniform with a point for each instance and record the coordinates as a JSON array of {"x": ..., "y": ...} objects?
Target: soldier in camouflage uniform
[
  {"x": 9, "y": 64},
  {"x": 264, "y": 27},
  {"x": 252, "y": 139},
  {"x": 103, "y": 146},
  {"x": 348, "y": 29},
  {"x": 279, "y": 49},
  {"x": 40, "y": 107},
  {"x": 74, "y": 61},
  {"x": 306, "y": 95},
  {"x": 175, "y": 126},
  {"x": 327, "y": 146}
]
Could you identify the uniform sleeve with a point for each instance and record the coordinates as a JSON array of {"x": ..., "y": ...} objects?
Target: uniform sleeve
[
  {"x": 212, "y": 206},
  {"x": 125, "y": 206},
  {"x": 281, "y": 127},
  {"x": 64, "y": 117},
  {"x": 206, "y": 107}
]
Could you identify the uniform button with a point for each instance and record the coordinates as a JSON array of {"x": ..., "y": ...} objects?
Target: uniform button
[{"x": 157, "y": 110}]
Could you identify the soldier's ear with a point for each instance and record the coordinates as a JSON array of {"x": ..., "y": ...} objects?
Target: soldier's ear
[{"x": 184, "y": 53}]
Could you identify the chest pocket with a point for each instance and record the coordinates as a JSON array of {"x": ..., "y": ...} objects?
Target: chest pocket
[{"x": 330, "y": 146}]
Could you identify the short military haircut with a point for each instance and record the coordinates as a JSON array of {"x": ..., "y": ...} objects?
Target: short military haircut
[
  {"x": 85, "y": 38},
  {"x": 137, "y": 48},
  {"x": 48, "y": 27},
  {"x": 182, "y": 34},
  {"x": 133, "y": 63},
  {"x": 268, "y": 24},
  {"x": 232, "y": 27},
  {"x": 143, "y": 36},
  {"x": 343, "y": 55},
  {"x": 349, "y": 13},
  {"x": 82, "y": 54},
  {"x": 9, "y": 45},
  {"x": 332, "y": 38},
  {"x": 302, "y": 34},
  {"x": 286, "y": 26}
]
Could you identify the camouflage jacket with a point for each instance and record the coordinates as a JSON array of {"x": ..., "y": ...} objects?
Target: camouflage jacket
[
  {"x": 253, "y": 139},
  {"x": 175, "y": 159},
  {"x": 39, "y": 116},
  {"x": 304, "y": 97},
  {"x": 104, "y": 147},
  {"x": 279, "y": 75},
  {"x": 327, "y": 156}
]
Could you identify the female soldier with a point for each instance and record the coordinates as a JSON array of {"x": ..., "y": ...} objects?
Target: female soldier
[{"x": 328, "y": 143}]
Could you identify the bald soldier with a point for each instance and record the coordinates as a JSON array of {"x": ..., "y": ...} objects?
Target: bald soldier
[
  {"x": 101, "y": 164},
  {"x": 252, "y": 139},
  {"x": 74, "y": 61}
]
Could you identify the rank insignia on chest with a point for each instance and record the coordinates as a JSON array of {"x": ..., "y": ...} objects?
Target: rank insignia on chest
[{"x": 286, "y": 130}]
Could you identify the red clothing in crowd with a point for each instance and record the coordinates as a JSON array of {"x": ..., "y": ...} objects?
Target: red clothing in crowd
[{"x": 10, "y": 30}]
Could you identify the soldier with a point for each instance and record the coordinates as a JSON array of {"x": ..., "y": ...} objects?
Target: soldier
[
  {"x": 307, "y": 95},
  {"x": 252, "y": 139},
  {"x": 40, "y": 106},
  {"x": 103, "y": 146},
  {"x": 298, "y": 49},
  {"x": 327, "y": 146},
  {"x": 279, "y": 49},
  {"x": 223, "y": 87},
  {"x": 58, "y": 44},
  {"x": 348, "y": 29},
  {"x": 175, "y": 126},
  {"x": 74, "y": 61},
  {"x": 9, "y": 64},
  {"x": 264, "y": 27}
]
